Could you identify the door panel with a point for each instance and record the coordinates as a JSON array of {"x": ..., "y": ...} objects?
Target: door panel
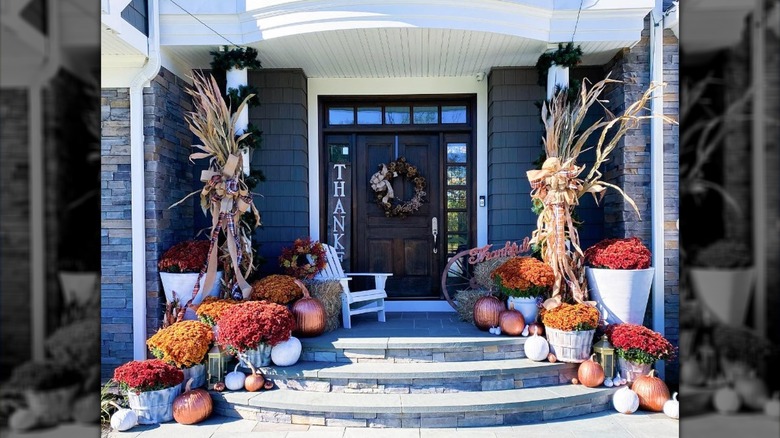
[{"x": 403, "y": 246}]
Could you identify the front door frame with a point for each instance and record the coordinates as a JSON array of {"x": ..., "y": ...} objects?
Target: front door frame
[{"x": 383, "y": 88}]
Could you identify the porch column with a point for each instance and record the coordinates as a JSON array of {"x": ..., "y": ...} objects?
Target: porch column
[{"x": 235, "y": 78}]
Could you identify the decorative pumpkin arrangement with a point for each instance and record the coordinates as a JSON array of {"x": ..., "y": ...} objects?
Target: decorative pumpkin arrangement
[
  {"x": 123, "y": 419},
  {"x": 486, "y": 311},
  {"x": 652, "y": 392},
  {"x": 287, "y": 353},
  {"x": 511, "y": 321},
  {"x": 193, "y": 406},
  {"x": 625, "y": 400},
  {"x": 672, "y": 407},
  {"x": 537, "y": 349},
  {"x": 235, "y": 379},
  {"x": 590, "y": 373},
  {"x": 726, "y": 400},
  {"x": 309, "y": 314}
]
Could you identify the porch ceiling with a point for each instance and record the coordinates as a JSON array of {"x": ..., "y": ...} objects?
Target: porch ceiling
[{"x": 397, "y": 52}]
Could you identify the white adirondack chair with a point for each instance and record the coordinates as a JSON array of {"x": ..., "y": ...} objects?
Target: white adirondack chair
[{"x": 355, "y": 302}]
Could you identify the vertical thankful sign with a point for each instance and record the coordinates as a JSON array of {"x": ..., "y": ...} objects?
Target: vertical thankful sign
[{"x": 340, "y": 202}]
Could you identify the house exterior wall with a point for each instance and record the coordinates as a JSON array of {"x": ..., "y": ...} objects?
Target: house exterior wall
[
  {"x": 283, "y": 157},
  {"x": 116, "y": 294},
  {"x": 14, "y": 229}
]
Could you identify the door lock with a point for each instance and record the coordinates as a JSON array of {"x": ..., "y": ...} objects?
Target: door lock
[{"x": 435, "y": 232}]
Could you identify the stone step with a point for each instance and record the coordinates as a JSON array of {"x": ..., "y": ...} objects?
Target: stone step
[
  {"x": 485, "y": 408},
  {"x": 405, "y": 378},
  {"x": 400, "y": 349}
]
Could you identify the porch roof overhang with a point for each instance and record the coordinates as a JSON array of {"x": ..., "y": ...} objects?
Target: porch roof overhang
[{"x": 398, "y": 38}]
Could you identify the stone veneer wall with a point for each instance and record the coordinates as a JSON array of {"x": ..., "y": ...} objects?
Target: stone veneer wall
[
  {"x": 630, "y": 169},
  {"x": 14, "y": 230},
  {"x": 283, "y": 158}
]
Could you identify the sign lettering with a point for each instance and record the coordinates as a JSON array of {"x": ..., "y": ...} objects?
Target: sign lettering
[
  {"x": 339, "y": 202},
  {"x": 510, "y": 249}
]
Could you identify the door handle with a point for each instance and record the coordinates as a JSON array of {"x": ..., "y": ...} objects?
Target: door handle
[{"x": 435, "y": 232}]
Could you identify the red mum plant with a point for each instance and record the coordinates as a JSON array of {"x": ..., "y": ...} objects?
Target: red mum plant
[
  {"x": 627, "y": 253},
  {"x": 147, "y": 375},
  {"x": 251, "y": 323},
  {"x": 187, "y": 256},
  {"x": 638, "y": 343}
]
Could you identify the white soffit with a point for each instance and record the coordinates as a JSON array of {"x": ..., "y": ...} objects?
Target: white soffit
[{"x": 709, "y": 25}]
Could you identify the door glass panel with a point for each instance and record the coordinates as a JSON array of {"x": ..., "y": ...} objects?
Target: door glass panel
[
  {"x": 456, "y": 175},
  {"x": 455, "y": 242},
  {"x": 457, "y": 221},
  {"x": 397, "y": 115},
  {"x": 456, "y": 152},
  {"x": 426, "y": 115},
  {"x": 453, "y": 114},
  {"x": 341, "y": 116},
  {"x": 456, "y": 199},
  {"x": 369, "y": 115}
]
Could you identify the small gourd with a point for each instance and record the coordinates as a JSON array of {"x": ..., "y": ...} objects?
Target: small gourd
[
  {"x": 23, "y": 419},
  {"x": 123, "y": 419},
  {"x": 590, "y": 373},
  {"x": 625, "y": 400},
  {"x": 726, "y": 400},
  {"x": 552, "y": 358},
  {"x": 536, "y": 348},
  {"x": 608, "y": 383},
  {"x": 235, "y": 380},
  {"x": 617, "y": 381},
  {"x": 772, "y": 406},
  {"x": 193, "y": 406},
  {"x": 672, "y": 407},
  {"x": 525, "y": 332},
  {"x": 255, "y": 381},
  {"x": 752, "y": 390},
  {"x": 286, "y": 353}
]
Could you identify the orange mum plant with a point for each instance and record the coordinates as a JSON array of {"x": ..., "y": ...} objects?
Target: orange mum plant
[
  {"x": 524, "y": 277},
  {"x": 210, "y": 310},
  {"x": 182, "y": 344},
  {"x": 571, "y": 317},
  {"x": 279, "y": 289}
]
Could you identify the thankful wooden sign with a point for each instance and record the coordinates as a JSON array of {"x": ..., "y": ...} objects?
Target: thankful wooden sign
[{"x": 510, "y": 249}]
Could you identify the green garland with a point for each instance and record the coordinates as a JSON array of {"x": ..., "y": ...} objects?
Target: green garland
[
  {"x": 238, "y": 57},
  {"x": 235, "y": 96}
]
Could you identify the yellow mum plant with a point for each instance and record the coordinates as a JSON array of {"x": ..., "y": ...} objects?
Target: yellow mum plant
[{"x": 182, "y": 344}]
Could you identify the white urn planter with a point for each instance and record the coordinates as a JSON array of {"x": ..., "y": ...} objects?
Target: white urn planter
[
  {"x": 526, "y": 306},
  {"x": 183, "y": 284},
  {"x": 724, "y": 292},
  {"x": 621, "y": 294},
  {"x": 79, "y": 287}
]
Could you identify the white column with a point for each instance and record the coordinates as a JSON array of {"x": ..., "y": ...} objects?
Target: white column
[
  {"x": 38, "y": 312},
  {"x": 234, "y": 78},
  {"x": 557, "y": 76},
  {"x": 759, "y": 165}
]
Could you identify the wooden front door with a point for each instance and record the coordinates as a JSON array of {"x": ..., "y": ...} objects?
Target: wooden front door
[{"x": 401, "y": 245}]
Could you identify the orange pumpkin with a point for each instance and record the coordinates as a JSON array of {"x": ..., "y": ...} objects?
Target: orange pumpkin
[
  {"x": 511, "y": 321},
  {"x": 486, "y": 311},
  {"x": 193, "y": 406},
  {"x": 590, "y": 373},
  {"x": 652, "y": 392},
  {"x": 309, "y": 314}
]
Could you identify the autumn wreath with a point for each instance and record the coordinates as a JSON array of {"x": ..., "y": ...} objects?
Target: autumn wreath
[
  {"x": 381, "y": 183},
  {"x": 304, "y": 260}
]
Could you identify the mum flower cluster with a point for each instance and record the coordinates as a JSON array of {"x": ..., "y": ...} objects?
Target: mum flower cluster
[
  {"x": 279, "y": 289},
  {"x": 638, "y": 343},
  {"x": 571, "y": 317},
  {"x": 252, "y": 323},
  {"x": 147, "y": 375},
  {"x": 182, "y": 344},
  {"x": 524, "y": 277},
  {"x": 304, "y": 260},
  {"x": 627, "y": 253},
  {"x": 187, "y": 256},
  {"x": 210, "y": 310},
  {"x": 44, "y": 375}
]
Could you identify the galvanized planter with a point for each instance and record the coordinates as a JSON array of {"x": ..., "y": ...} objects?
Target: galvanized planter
[{"x": 153, "y": 407}]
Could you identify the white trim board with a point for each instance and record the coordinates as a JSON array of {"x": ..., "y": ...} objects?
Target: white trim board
[{"x": 395, "y": 86}]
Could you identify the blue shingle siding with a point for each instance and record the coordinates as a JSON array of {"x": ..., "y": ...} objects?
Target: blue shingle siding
[
  {"x": 136, "y": 13},
  {"x": 116, "y": 261},
  {"x": 283, "y": 157}
]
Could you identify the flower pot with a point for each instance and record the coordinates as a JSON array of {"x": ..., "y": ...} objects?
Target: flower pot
[
  {"x": 79, "y": 287},
  {"x": 630, "y": 370},
  {"x": 55, "y": 404},
  {"x": 621, "y": 294},
  {"x": 183, "y": 284},
  {"x": 573, "y": 347},
  {"x": 153, "y": 407},
  {"x": 195, "y": 372},
  {"x": 526, "y": 306},
  {"x": 259, "y": 357},
  {"x": 724, "y": 292}
]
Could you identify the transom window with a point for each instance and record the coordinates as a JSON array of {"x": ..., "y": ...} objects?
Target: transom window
[{"x": 398, "y": 114}]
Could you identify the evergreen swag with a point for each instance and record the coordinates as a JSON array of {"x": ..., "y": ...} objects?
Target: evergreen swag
[
  {"x": 238, "y": 57},
  {"x": 234, "y": 97}
]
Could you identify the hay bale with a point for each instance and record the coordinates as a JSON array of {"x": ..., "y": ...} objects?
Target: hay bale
[
  {"x": 482, "y": 272},
  {"x": 329, "y": 294},
  {"x": 466, "y": 300}
]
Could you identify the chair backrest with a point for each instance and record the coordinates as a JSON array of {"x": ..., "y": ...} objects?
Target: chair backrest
[{"x": 333, "y": 267}]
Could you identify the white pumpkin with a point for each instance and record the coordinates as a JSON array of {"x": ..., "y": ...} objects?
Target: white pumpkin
[
  {"x": 726, "y": 400},
  {"x": 536, "y": 348},
  {"x": 608, "y": 383},
  {"x": 672, "y": 407},
  {"x": 772, "y": 406},
  {"x": 22, "y": 420},
  {"x": 625, "y": 400},
  {"x": 286, "y": 353},
  {"x": 124, "y": 419},
  {"x": 235, "y": 380}
]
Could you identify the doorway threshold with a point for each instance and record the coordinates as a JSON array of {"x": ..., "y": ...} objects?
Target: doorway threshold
[{"x": 418, "y": 306}]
